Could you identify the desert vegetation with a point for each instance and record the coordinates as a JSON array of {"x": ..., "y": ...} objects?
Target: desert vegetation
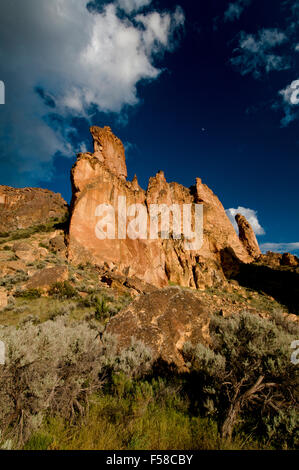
[{"x": 66, "y": 385}]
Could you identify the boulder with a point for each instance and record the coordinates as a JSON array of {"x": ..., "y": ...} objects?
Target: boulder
[
  {"x": 46, "y": 278},
  {"x": 11, "y": 267},
  {"x": 3, "y": 298},
  {"x": 126, "y": 284},
  {"x": 164, "y": 320},
  {"x": 289, "y": 260},
  {"x": 21, "y": 246},
  {"x": 25, "y": 252},
  {"x": 57, "y": 244}
]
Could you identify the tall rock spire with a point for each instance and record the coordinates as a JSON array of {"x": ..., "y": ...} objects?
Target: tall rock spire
[
  {"x": 247, "y": 236},
  {"x": 109, "y": 149}
]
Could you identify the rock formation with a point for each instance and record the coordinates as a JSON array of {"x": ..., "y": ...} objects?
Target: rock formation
[
  {"x": 278, "y": 260},
  {"x": 100, "y": 178},
  {"x": 3, "y": 298},
  {"x": 23, "y": 208},
  {"x": 247, "y": 237},
  {"x": 109, "y": 150},
  {"x": 47, "y": 278},
  {"x": 163, "y": 320}
]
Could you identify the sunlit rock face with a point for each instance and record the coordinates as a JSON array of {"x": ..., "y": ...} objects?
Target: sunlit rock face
[
  {"x": 27, "y": 207},
  {"x": 247, "y": 236},
  {"x": 101, "y": 178}
]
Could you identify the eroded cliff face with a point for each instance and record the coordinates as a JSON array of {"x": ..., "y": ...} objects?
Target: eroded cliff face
[
  {"x": 100, "y": 178},
  {"x": 23, "y": 208}
]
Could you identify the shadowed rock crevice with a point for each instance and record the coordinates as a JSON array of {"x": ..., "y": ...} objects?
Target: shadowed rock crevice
[{"x": 267, "y": 275}]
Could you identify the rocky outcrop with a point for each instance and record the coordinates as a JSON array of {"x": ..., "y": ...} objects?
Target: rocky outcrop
[
  {"x": 164, "y": 321},
  {"x": 23, "y": 208},
  {"x": 100, "y": 178},
  {"x": 47, "y": 278},
  {"x": 57, "y": 244},
  {"x": 278, "y": 260},
  {"x": 247, "y": 237},
  {"x": 3, "y": 298},
  {"x": 109, "y": 150},
  {"x": 289, "y": 260}
]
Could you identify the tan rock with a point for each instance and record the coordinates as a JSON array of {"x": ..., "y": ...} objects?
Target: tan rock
[
  {"x": 57, "y": 244},
  {"x": 25, "y": 252},
  {"x": 98, "y": 179},
  {"x": 11, "y": 267},
  {"x": 289, "y": 260},
  {"x": 247, "y": 236},
  {"x": 109, "y": 150},
  {"x": 23, "y": 208},
  {"x": 46, "y": 278},
  {"x": 21, "y": 246},
  {"x": 3, "y": 298},
  {"x": 27, "y": 256},
  {"x": 164, "y": 321},
  {"x": 271, "y": 259},
  {"x": 6, "y": 256},
  {"x": 124, "y": 283}
]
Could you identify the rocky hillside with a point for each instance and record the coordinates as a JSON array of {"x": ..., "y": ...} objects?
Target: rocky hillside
[
  {"x": 148, "y": 324},
  {"x": 23, "y": 208}
]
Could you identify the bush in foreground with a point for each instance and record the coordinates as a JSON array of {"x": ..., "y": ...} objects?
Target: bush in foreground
[
  {"x": 246, "y": 377},
  {"x": 52, "y": 369}
]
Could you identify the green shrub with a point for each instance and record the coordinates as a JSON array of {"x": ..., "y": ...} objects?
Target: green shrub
[
  {"x": 52, "y": 369},
  {"x": 246, "y": 378},
  {"x": 102, "y": 309},
  {"x": 63, "y": 290},
  {"x": 39, "y": 441},
  {"x": 43, "y": 245},
  {"x": 29, "y": 294},
  {"x": 21, "y": 234},
  {"x": 10, "y": 281}
]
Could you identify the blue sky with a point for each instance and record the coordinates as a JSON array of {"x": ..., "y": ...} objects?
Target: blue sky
[{"x": 196, "y": 88}]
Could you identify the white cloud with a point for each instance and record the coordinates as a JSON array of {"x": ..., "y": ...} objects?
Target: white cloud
[
  {"x": 157, "y": 27},
  {"x": 256, "y": 53},
  {"x": 290, "y": 102},
  {"x": 270, "y": 50},
  {"x": 132, "y": 5},
  {"x": 280, "y": 247},
  {"x": 251, "y": 216},
  {"x": 79, "y": 58},
  {"x": 235, "y": 10}
]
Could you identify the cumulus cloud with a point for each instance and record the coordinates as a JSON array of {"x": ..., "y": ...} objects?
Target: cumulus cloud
[
  {"x": 290, "y": 102},
  {"x": 272, "y": 50},
  {"x": 256, "y": 54},
  {"x": 132, "y": 5},
  {"x": 280, "y": 247},
  {"x": 250, "y": 214},
  {"x": 235, "y": 10},
  {"x": 61, "y": 59}
]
